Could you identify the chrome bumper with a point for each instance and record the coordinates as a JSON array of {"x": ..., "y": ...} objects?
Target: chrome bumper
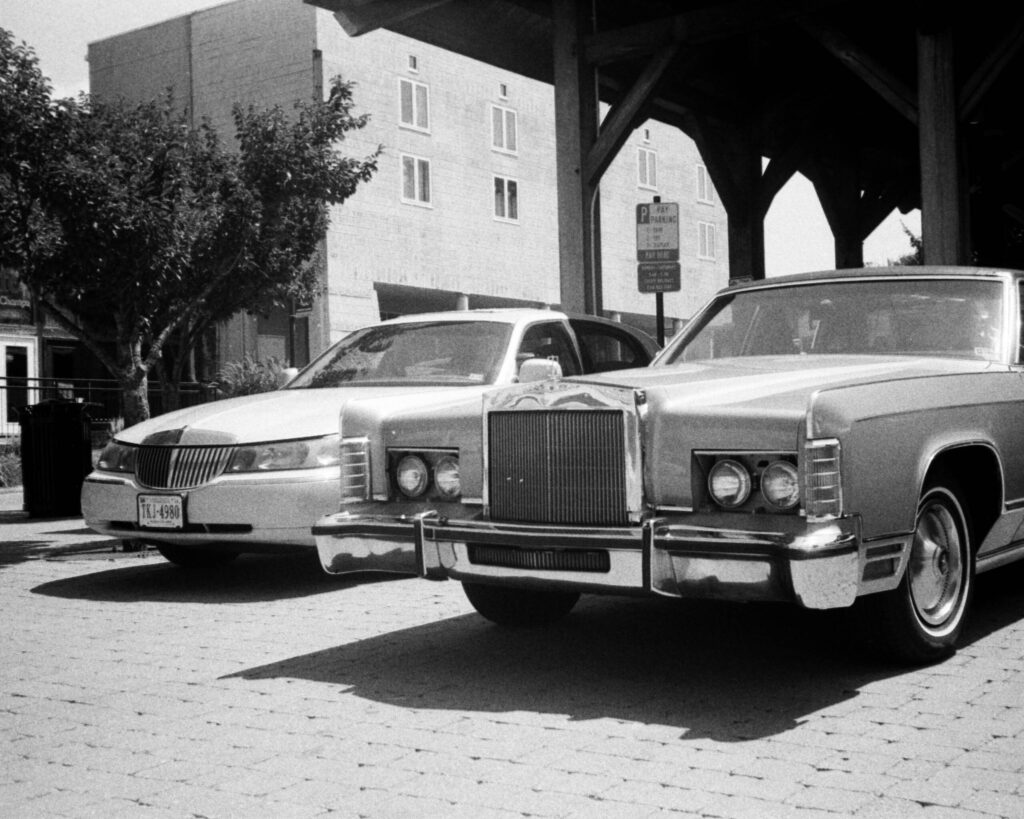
[
  {"x": 350, "y": 542},
  {"x": 817, "y": 565}
]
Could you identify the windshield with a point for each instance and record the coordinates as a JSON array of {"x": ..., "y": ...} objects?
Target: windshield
[
  {"x": 436, "y": 352},
  {"x": 932, "y": 317}
]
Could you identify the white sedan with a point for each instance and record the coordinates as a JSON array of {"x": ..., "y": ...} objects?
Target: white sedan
[{"x": 254, "y": 473}]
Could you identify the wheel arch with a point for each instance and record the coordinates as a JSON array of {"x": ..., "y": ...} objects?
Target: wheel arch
[{"x": 982, "y": 494}]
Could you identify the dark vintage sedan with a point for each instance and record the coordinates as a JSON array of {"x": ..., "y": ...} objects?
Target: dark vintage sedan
[{"x": 820, "y": 439}]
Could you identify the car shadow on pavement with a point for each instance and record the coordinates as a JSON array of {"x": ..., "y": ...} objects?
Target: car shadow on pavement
[
  {"x": 726, "y": 672},
  {"x": 250, "y": 578}
]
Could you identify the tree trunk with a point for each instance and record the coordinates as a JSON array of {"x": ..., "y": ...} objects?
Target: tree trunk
[{"x": 135, "y": 398}]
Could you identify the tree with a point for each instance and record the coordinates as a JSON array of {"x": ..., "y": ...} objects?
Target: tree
[
  {"x": 32, "y": 130},
  {"x": 152, "y": 231},
  {"x": 291, "y": 173}
]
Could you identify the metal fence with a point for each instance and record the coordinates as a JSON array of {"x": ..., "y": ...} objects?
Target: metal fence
[{"x": 104, "y": 394}]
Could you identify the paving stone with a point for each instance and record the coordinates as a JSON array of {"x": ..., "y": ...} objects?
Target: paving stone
[{"x": 132, "y": 689}]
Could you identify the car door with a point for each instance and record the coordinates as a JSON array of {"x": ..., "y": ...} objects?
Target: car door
[{"x": 605, "y": 347}]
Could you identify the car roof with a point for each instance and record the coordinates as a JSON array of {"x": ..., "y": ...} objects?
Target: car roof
[
  {"x": 504, "y": 315},
  {"x": 876, "y": 272}
]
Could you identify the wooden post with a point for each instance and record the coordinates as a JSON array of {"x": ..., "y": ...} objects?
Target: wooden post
[
  {"x": 942, "y": 214},
  {"x": 576, "y": 121}
]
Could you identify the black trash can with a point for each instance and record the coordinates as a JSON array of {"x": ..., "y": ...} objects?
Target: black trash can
[{"x": 56, "y": 455}]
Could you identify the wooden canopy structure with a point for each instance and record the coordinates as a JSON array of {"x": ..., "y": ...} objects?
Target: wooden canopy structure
[{"x": 882, "y": 105}]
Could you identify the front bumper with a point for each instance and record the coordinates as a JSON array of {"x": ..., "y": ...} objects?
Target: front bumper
[
  {"x": 817, "y": 565},
  {"x": 252, "y": 512}
]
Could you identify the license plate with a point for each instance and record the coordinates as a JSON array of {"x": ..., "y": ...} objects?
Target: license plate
[{"x": 161, "y": 511}]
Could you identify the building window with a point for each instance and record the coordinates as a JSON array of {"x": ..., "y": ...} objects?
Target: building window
[
  {"x": 504, "y": 136},
  {"x": 647, "y": 134},
  {"x": 705, "y": 190},
  {"x": 647, "y": 168},
  {"x": 503, "y": 91},
  {"x": 415, "y": 180},
  {"x": 414, "y": 64},
  {"x": 414, "y": 104},
  {"x": 706, "y": 241},
  {"x": 506, "y": 199}
]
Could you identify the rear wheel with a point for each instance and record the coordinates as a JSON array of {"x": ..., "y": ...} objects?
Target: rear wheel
[
  {"x": 198, "y": 558},
  {"x": 519, "y": 607},
  {"x": 922, "y": 619}
]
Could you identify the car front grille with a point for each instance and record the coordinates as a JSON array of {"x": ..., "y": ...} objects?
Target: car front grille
[
  {"x": 557, "y": 466},
  {"x": 552, "y": 560},
  {"x": 180, "y": 467}
]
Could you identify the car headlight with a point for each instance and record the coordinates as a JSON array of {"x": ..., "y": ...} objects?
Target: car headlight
[
  {"x": 117, "y": 457},
  {"x": 424, "y": 474},
  {"x": 308, "y": 453},
  {"x": 412, "y": 476},
  {"x": 447, "y": 478},
  {"x": 729, "y": 483},
  {"x": 780, "y": 484}
]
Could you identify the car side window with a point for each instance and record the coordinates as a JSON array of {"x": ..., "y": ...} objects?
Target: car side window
[
  {"x": 550, "y": 339},
  {"x": 607, "y": 348}
]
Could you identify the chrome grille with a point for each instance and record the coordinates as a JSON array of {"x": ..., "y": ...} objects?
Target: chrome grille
[
  {"x": 553, "y": 560},
  {"x": 557, "y": 466},
  {"x": 180, "y": 467}
]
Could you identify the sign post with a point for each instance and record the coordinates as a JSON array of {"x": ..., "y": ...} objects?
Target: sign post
[{"x": 657, "y": 253}]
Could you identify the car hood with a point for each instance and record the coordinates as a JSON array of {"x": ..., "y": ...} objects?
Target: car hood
[
  {"x": 765, "y": 383},
  {"x": 280, "y": 415}
]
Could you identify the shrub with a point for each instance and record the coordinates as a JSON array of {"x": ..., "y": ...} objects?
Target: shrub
[
  {"x": 248, "y": 377},
  {"x": 10, "y": 461}
]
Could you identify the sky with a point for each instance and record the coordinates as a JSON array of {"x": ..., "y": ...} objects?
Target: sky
[{"x": 797, "y": 236}]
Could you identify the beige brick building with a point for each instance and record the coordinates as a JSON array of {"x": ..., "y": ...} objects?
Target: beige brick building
[{"x": 462, "y": 210}]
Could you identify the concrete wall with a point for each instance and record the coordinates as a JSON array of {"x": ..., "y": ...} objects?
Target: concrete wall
[{"x": 454, "y": 244}]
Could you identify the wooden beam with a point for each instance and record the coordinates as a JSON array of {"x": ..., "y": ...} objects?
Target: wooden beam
[
  {"x": 889, "y": 87},
  {"x": 875, "y": 206},
  {"x": 988, "y": 72},
  {"x": 622, "y": 119},
  {"x": 780, "y": 170},
  {"x": 360, "y": 16},
  {"x": 734, "y": 162},
  {"x": 704, "y": 25}
]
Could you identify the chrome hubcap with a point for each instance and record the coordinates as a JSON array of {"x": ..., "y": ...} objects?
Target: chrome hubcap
[{"x": 936, "y": 565}]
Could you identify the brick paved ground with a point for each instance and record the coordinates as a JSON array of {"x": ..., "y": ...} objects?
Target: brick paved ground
[{"x": 131, "y": 688}]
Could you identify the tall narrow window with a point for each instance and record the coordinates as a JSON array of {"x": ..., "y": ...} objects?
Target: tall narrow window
[
  {"x": 506, "y": 199},
  {"x": 705, "y": 190},
  {"x": 646, "y": 168},
  {"x": 504, "y": 136},
  {"x": 706, "y": 241},
  {"x": 415, "y": 180},
  {"x": 414, "y": 104}
]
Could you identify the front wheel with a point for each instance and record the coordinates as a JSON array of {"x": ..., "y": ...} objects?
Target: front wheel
[
  {"x": 519, "y": 607},
  {"x": 921, "y": 620}
]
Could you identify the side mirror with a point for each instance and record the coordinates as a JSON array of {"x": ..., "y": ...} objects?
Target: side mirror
[
  {"x": 539, "y": 369},
  {"x": 286, "y": 375}
]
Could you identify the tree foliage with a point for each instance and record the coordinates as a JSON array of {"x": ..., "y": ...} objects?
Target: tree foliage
[
  {"x": 916, "y": 255},
  {"x": 149, "y": 230}
]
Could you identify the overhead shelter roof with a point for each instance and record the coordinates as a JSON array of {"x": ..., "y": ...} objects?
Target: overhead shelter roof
[{"x": 826, "y": 87}]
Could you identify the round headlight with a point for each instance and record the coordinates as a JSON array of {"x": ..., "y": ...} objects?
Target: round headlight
[
  {"x": 412, "y": 476},
  {"x": 729, "y": 483},
  {"x": 446, "y": 477},
  {"x": 780, "y": 485}
]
